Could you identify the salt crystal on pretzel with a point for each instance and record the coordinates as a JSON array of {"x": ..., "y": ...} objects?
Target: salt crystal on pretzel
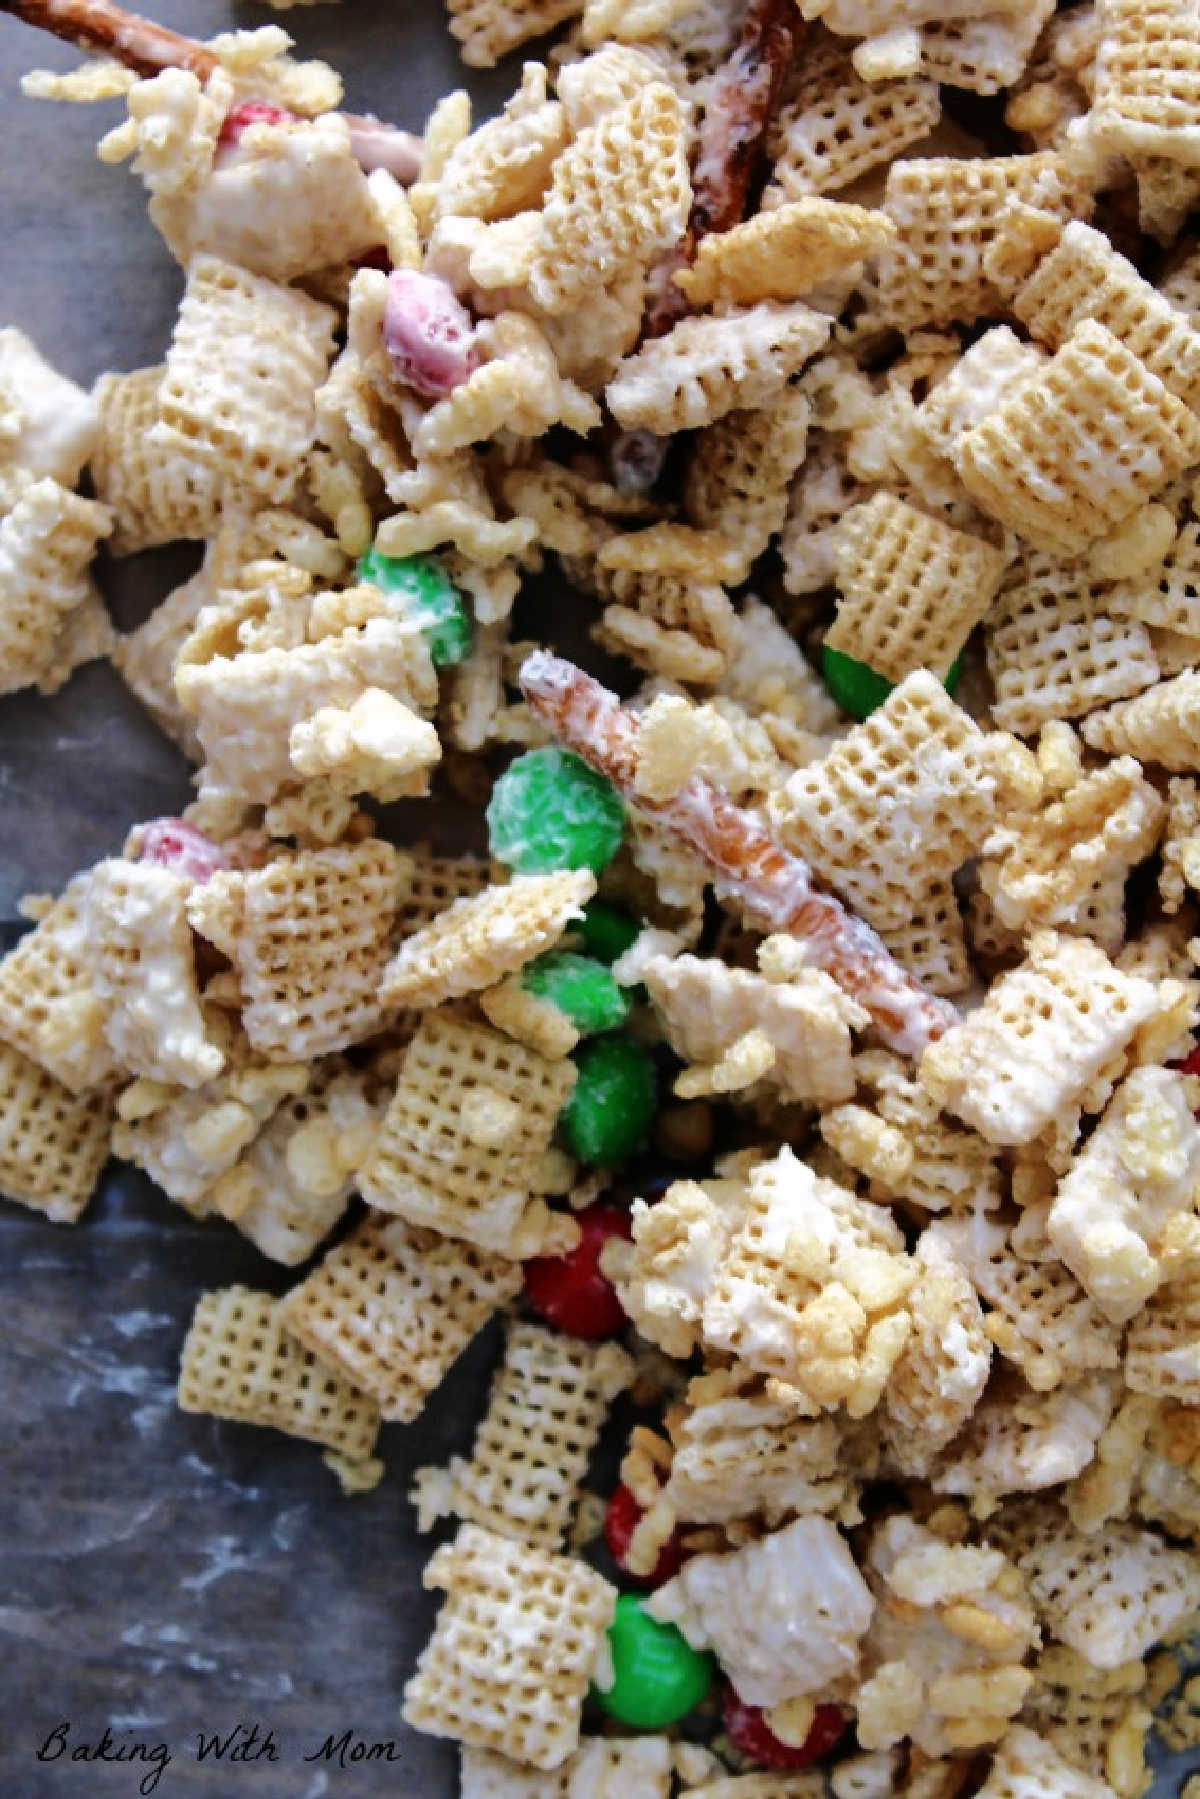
[
  {"x": 53, "y": 1143},
  {"x": 309, "y": 937},
  {"x": 228, "y": 404},
  {"x": 541, "y": 1619},
  {"x": 743, "y": 1606},
  {"x": 947, "y": 211},
  {"x": 472, "y": 1115},
  {"x": 549, "y": 1399},
  {"x": 755, "y": 872},
  {"x": 50, "y": 424},
  {"x": 49, "y": 1009},
  {"x": 157, "y": 495},
  {"x": 1147, "y": 99},
  {"x": 142, "y": 965},
  {"x": 240, "y": 1363},
  {"x": 912, "y": 589},
  {"x": 47, "y": 542},
  {"x": 784, "y": 253},
  {"x": 1094, "y": 402},
  {"x": 478, "y": 941},
  {"x": 833, "y": 127},
  {"x": 706, "y": 367},
  {"x": 619, "y": 194},
  {"x": 393, "y": 1307},
  {"x": 1054, "y": 650},
  {"x": 1161, "y": 725}
]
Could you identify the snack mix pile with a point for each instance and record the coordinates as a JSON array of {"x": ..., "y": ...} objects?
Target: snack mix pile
[{"x": 811, "y": 1059}]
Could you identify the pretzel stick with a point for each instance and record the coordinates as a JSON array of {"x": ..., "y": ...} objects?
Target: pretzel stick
[
  {"x": 146, "y": 48},
  {"x": 772, "y": 886}
]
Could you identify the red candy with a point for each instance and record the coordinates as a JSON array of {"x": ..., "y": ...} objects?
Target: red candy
[
  {"x": 569, "y": 1291},
  {"x": 747, "y": 1731},
  {"x": 428, "y": 334},
  {"x": 1191, "y": 1062},
  {"x": 170, "y": 843},
  {"x": 622, "y": 1516},
  {"x": 251, "y": 112}
]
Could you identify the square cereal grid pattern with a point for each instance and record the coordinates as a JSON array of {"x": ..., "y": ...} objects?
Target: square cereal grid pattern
[
  {"x": 428, "y": 1168},
  {"x": 316, "y": 929},
  {"x": 1162, "y": 1350},
  {"x": 48, "y": 1008},
  {"x": 1148, "y": 78},
  {"x": 836, "y": 127},
  {"x": 157, "y": 497},
  {"x": 741, "y": 469},
  {"x": 47, "y": 543},
  {"x": 1080, "y": 446},
  {"x": 933, "y": 944},
  {"x": 53, "y": 1143},
  {"x": 1170, "y": 597},
  {"x": 240, "y": 1363},
  {"x": 513, "y": 1650},
  {"x": 489, "y": 29},
  {"x": 983, "y": 55},
  {"x": 393, "y": 1307},
  {"x": 1053, "y": 651},
  {"x": 238, "y": 394},
  {"x": 549, "y": 1400},
  {"x": 912, "y": 589},
  {"x": 870, "y": 816},
  {"x": 433, "y": 884}
]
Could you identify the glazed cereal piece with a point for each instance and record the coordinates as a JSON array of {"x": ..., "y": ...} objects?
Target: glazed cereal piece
[
  {"x": 1082, "y": 277},
  {"x": 377, "y": 745},
  {"x": 1038, "y": 1317},
  {"x": 1094, "y": 400},
  {"x": 1147, "y": 98},
  {"x": 48, "y": 425},
  {"x": 783, "y": 254},
  {"x": 599, "y": 1769},
  {"x": 145, "y": 660},
  {"x": 478, "y": 941},
  {"x": 739, "y": 1451},
  {"x": 1162, "y": 725},
  {"x": 1161, "y": 1355},
  {"x": 1039, "y": 868},
  {"x": 186, "y": 1139},
  {"x": 245, "y": 707},
  {"x": 911, "y": 589},
  {"x": 984, "y": 55},
  {"x": 489, "y": 29},
  {"x": 744, "y": 1606},
  {"x": 741, "y": 470},
  {"x": 513, "y": 1650},
  {"x": 947, "y": 212},
  {"x": 820, "y": 498},
  {"x": 770, "y": 676},
  {"x": 678, "y": 628},
  {"x": 946, "y": 1168},
  {"x": 157, "y": 495},
  {"x": 49, "y": 1009},
  {"x": 504, "y": 166},
  {"x": 142, "y": 965},
  {"x": 988, "y": 373},
  {"x": 47, "y": 542},
  {"x": 1110, "y": 1597},
  {"x": 550, "y": 1397},
  {"x": 290, "y": 1186},
  {"x": 53, "y": 1143},
  {"x": 1169, "y": 597},
  {"x": 708, "y": 366},
  {"x": 834, "y": 127},
  {"x": 1085, "y": 1713},
  {"x": 904, "y": 798},
  {"x": 237, "y": 396},
  {"x": 393, "y": 1308},
  {"x": 706, "y": 1008},
  {"x": 618, "y": 194},
  {"x": 932, "y": 946},
  {"x": 516, "y": 387},
  {"x": 309, "y": 937},
  {"x": 1136, "y": 1171},
  {"x": 464, "y": 1137},
  {"x": 951, "y": 1629},
  {"x": 1040, "y": 1038},
  {"x": 663, "y": 1278},
  {"x": 240, "y": 1363},
  {"x": 434, "y": 883},
  {"x": 812, "y": 1289},
  {"x": 1026, "y": 1763},
  {"x": 1055, "y": 651},
  {"x": 1017, "y": 1442},
  {"x": 944, "y": 1366}
]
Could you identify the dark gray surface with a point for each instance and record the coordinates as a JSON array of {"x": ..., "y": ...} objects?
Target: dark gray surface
[{"x": 159, "y": 1573}]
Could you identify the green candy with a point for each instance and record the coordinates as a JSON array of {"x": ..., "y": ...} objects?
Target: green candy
[
  {"x": 549, "y": 810},
  {"x": 658, "y": 1677},
  {"x": 581, "y": 988},
  {"x": 858, "y": 690},
  {"x": 611, "y": 1109},
  {"x": 430, "y": 597},
  {"x": 605, "y": 932}
]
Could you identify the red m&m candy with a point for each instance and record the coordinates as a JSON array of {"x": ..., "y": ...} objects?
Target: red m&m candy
[
  {"x": 569, "y": 1291},
  {"x": 748, "y": 1731}
]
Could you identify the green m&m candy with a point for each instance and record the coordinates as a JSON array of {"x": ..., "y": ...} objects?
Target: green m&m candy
[
  {"x": 429, "y": 596},
  {"x": 857, "y": 689},
  {"x": 658, "y": 1677},
  {"x": 550, "y": 810},
  {"x": 581, "y": 988},
  {"x": 604, "y": 931},
  {"x": 611, "y": 1109}
]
